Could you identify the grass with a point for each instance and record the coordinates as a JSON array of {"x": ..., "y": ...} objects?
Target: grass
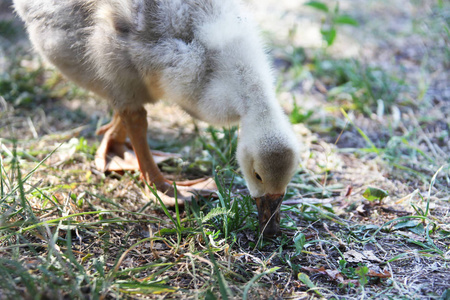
[
  {"x": 74, "y": 245},
  {"x": 372, "y": 93},
  {"x": 66, "y": 270},
  {"x": 68, "y": 231},
  {"x": 348, "y": 82}
]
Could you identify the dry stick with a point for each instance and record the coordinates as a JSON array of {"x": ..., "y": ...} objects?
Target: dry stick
[
  {"x": 193, "y": 273},
  {"x": 286, "y": 285},
  {"x": 342, "y": 131},
  {"x": 50, "y": 213},
  {"x": 32, "y": 128},
  {"x": 155, "y": 253},
  {"x": 122, "y": 257},
  {"x": 204, "y": 260},
  {"x": 332, "y": 234}
]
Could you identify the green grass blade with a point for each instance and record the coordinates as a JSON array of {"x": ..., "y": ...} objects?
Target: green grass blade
[
  {"x": 363, "y": 135},
  {"x": 255, "y": 279}
]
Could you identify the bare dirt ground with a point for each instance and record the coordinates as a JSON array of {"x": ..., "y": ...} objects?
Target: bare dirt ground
[{"x": 330, "y": 231}]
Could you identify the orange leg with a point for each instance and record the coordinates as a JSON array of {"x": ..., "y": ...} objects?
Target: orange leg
[
  {"x": 113, "y": 144},
  {"x": 135, "y": 123},
  {"x": 114, "y": 154}
]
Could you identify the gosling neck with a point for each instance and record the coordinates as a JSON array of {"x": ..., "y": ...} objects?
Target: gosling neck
[{"x": 262, "y": 117}]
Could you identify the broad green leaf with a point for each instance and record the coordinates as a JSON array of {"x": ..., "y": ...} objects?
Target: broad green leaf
[
  {"x": 297, "y": 115},
  {"x": 362, "y": 272},
  {"x": 372, "y": 194},
  {"x": 344, "y": 19},
  {"x": 419, "y": 229},
  {"x": 317, "y": 5},
  {"x": 305, "y": 279},
  {"x": 406, "y": 224},
  {"x": 329, "y": 35},
  {"x": 299, "y": 242}
]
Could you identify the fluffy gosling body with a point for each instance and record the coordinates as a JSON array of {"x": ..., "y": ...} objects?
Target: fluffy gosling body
[{"x": 203, "y": 55}]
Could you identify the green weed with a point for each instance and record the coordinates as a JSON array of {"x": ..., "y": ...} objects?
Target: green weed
[
  {"x": 50, "y": 268},
  {"x": 332, "y": 19},
  {"x": 223, "y": 144},
  {"x": 358, "y": 87},
  {"x": 358, "y": 273},
  {"x": 29, "y": 86},
  {"x": 298, "y": 115},
  {"x": 400, "y": 154},
  {"x": 349, "y": 84},
  {"x": 23, "y": 87},
  {"x": 8, "y": 29}
]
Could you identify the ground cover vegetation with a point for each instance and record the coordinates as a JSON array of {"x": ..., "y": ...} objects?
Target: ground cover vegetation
[{"x": 366, "y": 217}]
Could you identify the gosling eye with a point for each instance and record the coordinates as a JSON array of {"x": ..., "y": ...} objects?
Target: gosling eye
[{"x": 258, "y": 177}]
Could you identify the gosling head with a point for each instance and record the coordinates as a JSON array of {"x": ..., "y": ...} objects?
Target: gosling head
[{"x": 268, "y": 162}]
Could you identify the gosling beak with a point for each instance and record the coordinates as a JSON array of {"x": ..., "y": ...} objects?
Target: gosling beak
[{"x": 269, "y": 213}]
